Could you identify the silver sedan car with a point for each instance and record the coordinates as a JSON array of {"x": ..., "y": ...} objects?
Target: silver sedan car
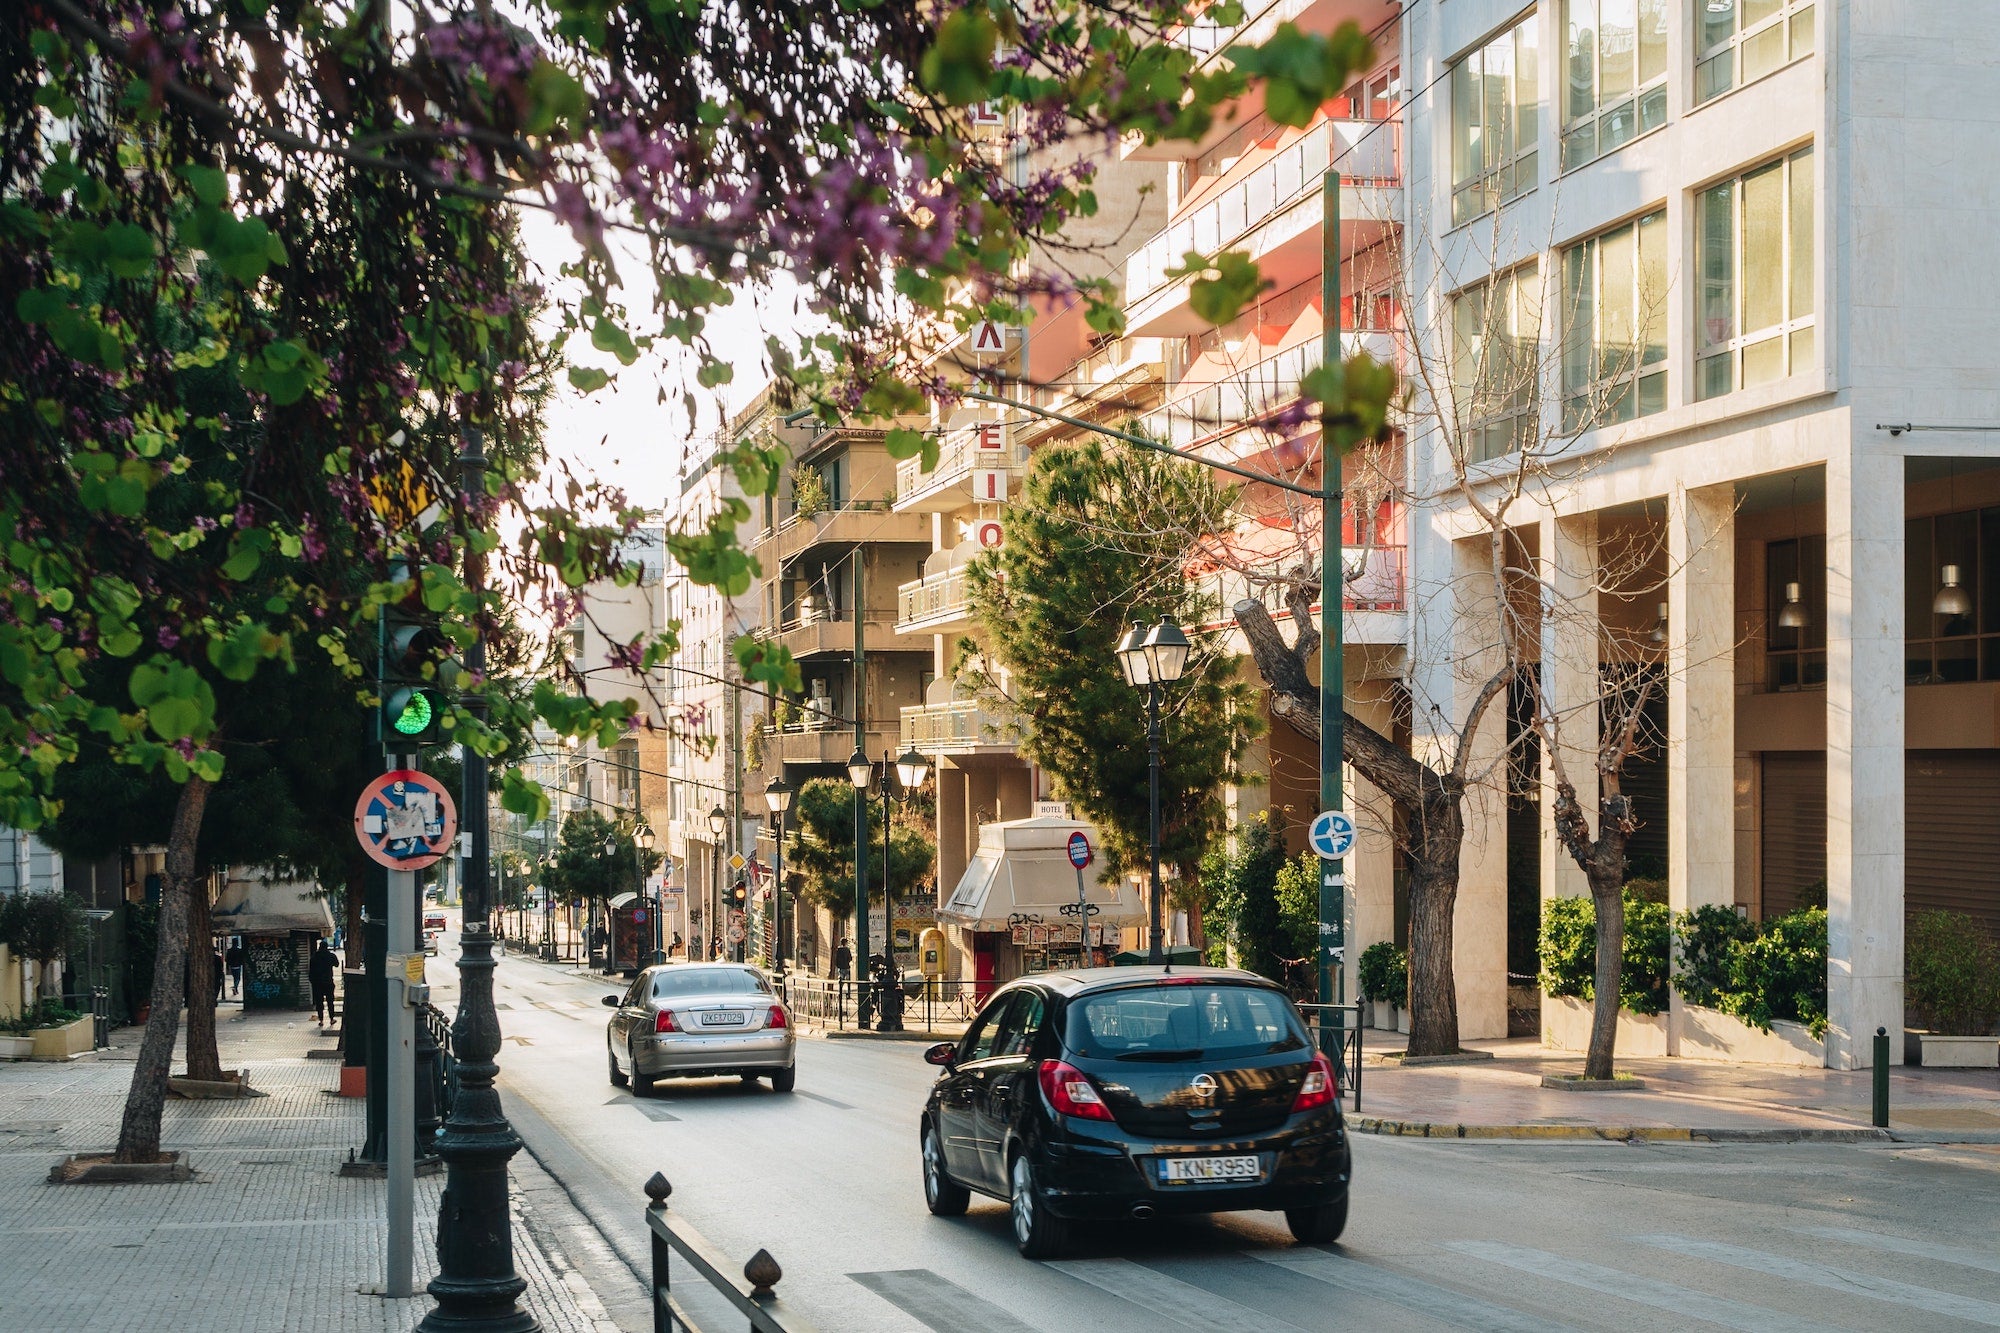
[{"x": 699, "y": 1020}]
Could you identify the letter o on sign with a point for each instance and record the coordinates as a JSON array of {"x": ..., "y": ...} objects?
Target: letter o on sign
[{"x": 989, "y": 533}]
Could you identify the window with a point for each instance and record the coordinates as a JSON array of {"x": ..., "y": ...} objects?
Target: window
[
  {"x": 1614, "y": 360},
  {"x": 1616, "y": 87},
  {"x": 1192, "y": 1022},
  {"x": 1738, "y": 41},
  {"x": 1754, "y": 255},
  {"x": 1021, "y": 1026},
  {"x": 1495, "y": 123},
  {"x": 1795, "y": 656},
  {"x": 1949, "y": 647},
  {"x": 1496, "y": 332}
]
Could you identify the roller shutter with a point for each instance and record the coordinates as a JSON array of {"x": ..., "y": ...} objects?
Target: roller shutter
[
  {"x": 1952, "y": 840},
  {"x": 1793, "y": 841}
]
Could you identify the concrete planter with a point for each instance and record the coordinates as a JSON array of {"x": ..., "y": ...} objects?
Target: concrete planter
[
  {"x": 1710, "y": 1034},
  {"x": 1960, "y": 1052},
  {"x": 1566, "y": 1027},
  {"x": 66, "y": 1042},
  {"x": 16, "y": 1048},
  {"x": 1402, "y": 1020}
]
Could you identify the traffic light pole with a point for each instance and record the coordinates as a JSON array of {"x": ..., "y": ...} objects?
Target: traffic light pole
[{"x": 1332, "y": 644}]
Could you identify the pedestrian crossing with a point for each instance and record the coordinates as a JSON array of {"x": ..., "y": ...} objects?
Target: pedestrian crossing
[{"x": 1827, "y": 1277}]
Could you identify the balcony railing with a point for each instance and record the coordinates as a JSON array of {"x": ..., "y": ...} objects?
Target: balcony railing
[
  {"x": 1224, "y": 406},
  {"x": 932, "y": 596},
  {"x": 959, "y": 725},
  {"x": 1369, "y": 152},
  {"x": 958, "y": 455},
  {"x": 1374, "y": 576}
]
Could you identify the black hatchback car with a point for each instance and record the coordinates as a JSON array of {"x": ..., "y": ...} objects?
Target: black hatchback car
[{"x": 1136, "y": 1092}]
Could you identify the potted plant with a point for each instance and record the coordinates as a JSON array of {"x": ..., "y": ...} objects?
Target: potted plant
[
  {"x": 15, "y": 1042},
  {"x": 1371, "y": 979},
  {"x": 1952, "y": 972},
  {"x": 57, "y": 1033}
]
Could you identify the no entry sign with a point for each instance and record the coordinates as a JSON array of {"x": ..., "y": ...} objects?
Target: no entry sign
[{"x": 405, "y": 820}]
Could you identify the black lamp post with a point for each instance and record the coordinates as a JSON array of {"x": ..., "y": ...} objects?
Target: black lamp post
[
  {"x": 1153, "y": 658},
  {"x": 910, "y": 772},
  {"x": 778, "y": 796},
  {"x": 642, "y": 838},
  {"x": 860, "y": 772},
  {"x": 718, "y": 820}
]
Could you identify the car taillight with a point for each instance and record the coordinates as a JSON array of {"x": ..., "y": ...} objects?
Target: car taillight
[
  {"x": 1317, "y": 1090},
  {"x": 776, "y": 1018},
  {"x": 1070, "y": 1091},
  {"x": 664, "y": 1021}
]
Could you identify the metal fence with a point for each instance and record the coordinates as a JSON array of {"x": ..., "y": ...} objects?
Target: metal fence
[
  {"x": 754, "y": 1295},
  {"x": 929, "y": 1005},
  {"x": 444, "y": 1070},
  {"x": 1336, "y": 1029}
]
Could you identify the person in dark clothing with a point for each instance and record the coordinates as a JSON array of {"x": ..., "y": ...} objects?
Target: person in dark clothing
[
  {"x": 234, "y": 959},
  {"x": 321, "y": 971},
  {"x": 215, "y": 966},
  {"x": 843, "y": 958}
]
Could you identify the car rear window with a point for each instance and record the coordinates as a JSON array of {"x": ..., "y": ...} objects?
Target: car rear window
[
  {"x": 1190, "y": 1022},
  {"x": 708, "y": 981}
]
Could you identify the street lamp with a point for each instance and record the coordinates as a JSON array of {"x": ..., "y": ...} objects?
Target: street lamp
[
  {"x": 643, "y": 839},
  {"x": 778, "y": 796},
  {"x": 1153, "y": 658},
  {"x": 718, "y": 820},
  {"x": 859, "y": 772},
  {"x": 910, "y": 772}
]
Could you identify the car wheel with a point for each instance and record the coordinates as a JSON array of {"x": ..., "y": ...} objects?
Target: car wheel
[
  {"x": 783, "y": 1080},
  {"x": 618, "y": 1079},
  {"x": 641, "y": 1085},
  {"x": 1318, "y": 1226},
  {"x": 1038, "y": 1233},
  {"x": 944, "y": 1196}
]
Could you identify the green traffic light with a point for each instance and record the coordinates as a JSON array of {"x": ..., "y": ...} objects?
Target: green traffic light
[{"x": 415, "y": 719}]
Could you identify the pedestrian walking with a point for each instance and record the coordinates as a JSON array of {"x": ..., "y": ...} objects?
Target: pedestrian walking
[
  {"x": 215, "y": 966},
  {"x": 234, "y": 959},
  {"x": 321, "y": 971},
  {"x": 843, "y": 958}
]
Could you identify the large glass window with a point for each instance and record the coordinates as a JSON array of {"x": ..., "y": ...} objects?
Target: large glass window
[
  {"x": 1955, "y": 635},
  {"x": 1616, "y": 86},
  {"x": 1495, "y": 123},
  {"x": 1496, "y": 363},
  {"x": 1754, "y": 257},
  {"x": 1739, "y": 41},
  {"x": 1614, "y": 313},
  {"x": 1795, "y": 654}
]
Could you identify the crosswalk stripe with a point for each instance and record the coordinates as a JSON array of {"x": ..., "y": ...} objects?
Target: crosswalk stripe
[
  {"x": 938, "y": 1303},
  {"x": 1886, "y": 1290},
  {"x": 1916, "y": 1249},
  {"x": 1625, "y": 1286},
  {"x": 1182, "y": 1303},
  {"x": 1442, "y": 1303}
]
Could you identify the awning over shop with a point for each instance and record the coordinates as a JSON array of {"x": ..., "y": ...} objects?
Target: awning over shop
[
  {"x": 255, "y": 901},
  {"x": 1022, "y": 869}
]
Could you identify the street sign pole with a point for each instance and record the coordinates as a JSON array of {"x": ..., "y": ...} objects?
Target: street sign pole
[
  {"x": 1332, "y": 600},
  {"x": 402, "y": 1019}
]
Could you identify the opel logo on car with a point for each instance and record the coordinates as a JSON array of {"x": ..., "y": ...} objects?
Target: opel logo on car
[{"x": 1203, "y": 1085}]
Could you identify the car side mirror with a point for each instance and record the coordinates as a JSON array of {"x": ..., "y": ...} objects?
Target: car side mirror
[
  {"x": 941, "y": 1054},
  {"x": 611, "y": 1002}
]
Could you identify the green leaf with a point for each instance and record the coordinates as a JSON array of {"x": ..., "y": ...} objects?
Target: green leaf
[
  {"x": 1236, "y": 283},
  {"x": 959, "y": 65},
  {"x": 210, "y": 185},
  {"x": 903, "y": 442},
  {"x": 588, "y": 379}
]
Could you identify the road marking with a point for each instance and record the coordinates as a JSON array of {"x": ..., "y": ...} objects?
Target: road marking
[
  {"x": 1671, "y": 1297},
  {"x": 1181, "y": 1303},
  {"x": 1441, "y": 1303},
  {"x": 1916, "y": 1249},
  {"x": 1887, "y": 1290},
  {"x": 938, "y": 1303},
  {"x": 838, "y": 1105}
]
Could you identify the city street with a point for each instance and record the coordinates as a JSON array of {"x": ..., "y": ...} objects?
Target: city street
[{"x": 1442, "y": 1235}]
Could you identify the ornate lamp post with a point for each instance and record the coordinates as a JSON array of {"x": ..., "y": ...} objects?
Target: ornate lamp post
[
  {"x": 910, "y": 772},
  {"x": 1152, "y": 658},
  {"x": 860, "y": 772},
  {"x": 718, "y": 820},
  {"x": 643, "y": 839},
  {"x": 778, "y": 796}
]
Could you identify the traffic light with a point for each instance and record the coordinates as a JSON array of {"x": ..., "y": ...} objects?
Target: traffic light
[
  {"x": 413, "y": 650},
  {"x": 738, "y": 893}
]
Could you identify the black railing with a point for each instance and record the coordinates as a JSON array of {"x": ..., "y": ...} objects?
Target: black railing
[
  {"x": 1336, "y": 1029},
  {"x": 754, "y": 1295},
  {"x": 929, "y": 1005},
  {"x": 444, "y": 1070}
]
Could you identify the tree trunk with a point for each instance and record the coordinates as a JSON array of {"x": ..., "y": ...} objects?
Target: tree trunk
[
  {"x": 1433, "y": 1000},
  {"x": 139, "y": 1131},
  {"x": 1609, "y": 901},
  {"x": 203, "y": 1062}
]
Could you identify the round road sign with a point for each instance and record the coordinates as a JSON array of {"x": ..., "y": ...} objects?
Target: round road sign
[
  {"x": 405, "y": 820},
  {"x": 1332, "y": 835},
  {"x": 1079, "y": 850}
]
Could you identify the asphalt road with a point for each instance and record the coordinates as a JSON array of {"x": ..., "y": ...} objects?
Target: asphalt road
[{"x": 1523, "y": 1237}]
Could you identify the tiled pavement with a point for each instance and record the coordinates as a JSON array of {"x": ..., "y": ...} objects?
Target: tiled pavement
[{"x": 268, "y": 1236}]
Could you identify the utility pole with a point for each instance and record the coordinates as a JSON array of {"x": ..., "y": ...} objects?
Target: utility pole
[{"x": 1332, "y": 601}]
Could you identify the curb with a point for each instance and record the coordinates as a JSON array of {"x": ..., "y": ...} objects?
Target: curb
[
  {"x": 1614, "y": 1133},
  {"x": 850, "y": 1034}
]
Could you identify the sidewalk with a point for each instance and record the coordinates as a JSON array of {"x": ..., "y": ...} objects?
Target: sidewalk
[
  {"x": 1682, "y": 1099},
  {"x": 267, "y": 1236}
]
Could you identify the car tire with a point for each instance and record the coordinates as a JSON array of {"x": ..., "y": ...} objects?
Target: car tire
[
  {"x": 618, "y": 1079},
  {"x": 784, "y": 1080},
  {"x": 1038, "y": 1233},
  {"x": 944, "y": 1196},
  {"x": 641, "y": 1085},
  {"x": 1321, "y": 1225}
]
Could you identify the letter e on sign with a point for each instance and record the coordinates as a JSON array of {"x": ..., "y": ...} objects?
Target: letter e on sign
[{"x": 988, "y": 438}]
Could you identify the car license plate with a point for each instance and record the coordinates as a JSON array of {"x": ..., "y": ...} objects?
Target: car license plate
[
  {"x": 725, "y": 1018},
  {"x": 1194, "y": 1170}
]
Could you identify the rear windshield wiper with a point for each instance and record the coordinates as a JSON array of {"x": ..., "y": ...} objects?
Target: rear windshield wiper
[{"x": 1160, "y": 1055}]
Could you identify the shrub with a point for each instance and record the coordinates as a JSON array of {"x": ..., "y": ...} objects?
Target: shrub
[
  {"x": 1781, "y": 973},
  {"x": 1383, "y": 974},
  {"x": 47, "y": 1013},
  {"x": 1569, "y": 951},
  {"x": 1708, "y": 938},
  {"x": 1953, "y": 973}
]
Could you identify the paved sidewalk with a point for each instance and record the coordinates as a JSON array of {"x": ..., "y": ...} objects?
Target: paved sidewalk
[
  {"x": 268, "y": 1235},
  {"x": 1701, "y": 1099}
]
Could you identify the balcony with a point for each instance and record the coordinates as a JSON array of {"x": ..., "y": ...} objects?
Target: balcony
[
  {"x": 1217, "y": 410},
  {"x": 979, "y": 447},
  {"x": 1374, "y": 600},
  {"x": 1108, "y": 380},
  {"x": 935, "y": 604},
  {"x": 825, "y": 634},
  {"x": 1209, "y": 40},
  {"x": 821, "y": 741},
  {"x": 1273, "y": 212},
  {"x": 855, "y": 523},
  {"x": 963, "y": 726}
]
